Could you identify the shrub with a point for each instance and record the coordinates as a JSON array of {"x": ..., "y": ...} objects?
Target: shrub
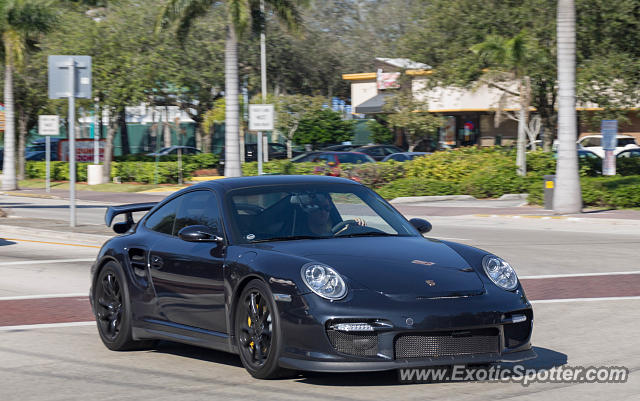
[
  {"x": 285, "y": 167},
  {"x": 373, "y": 175},
  {"x": 418, "y": 187},
  {"x": 615, "y": 192}
]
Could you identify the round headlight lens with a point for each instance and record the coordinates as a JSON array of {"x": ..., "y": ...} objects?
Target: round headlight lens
[
  {"x": 500, "y": 272},
  {"x": 323, "y": 280}
]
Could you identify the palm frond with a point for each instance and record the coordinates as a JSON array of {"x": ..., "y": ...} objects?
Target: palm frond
[
  {"x": 239, "y": 14},
  {"x": 289, "y": 12},
  {"x": 183, "y": 13}
]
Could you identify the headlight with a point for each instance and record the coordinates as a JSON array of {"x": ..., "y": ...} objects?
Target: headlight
[
  {"x": 323, "y": 280},
  {"x": 500, "y": 272}
]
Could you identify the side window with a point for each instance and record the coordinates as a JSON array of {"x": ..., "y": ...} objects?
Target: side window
[
  {"x": 197, "y": 208},
  {"x": 376, "y": 152},
  {"x": 162, "y": 219}
]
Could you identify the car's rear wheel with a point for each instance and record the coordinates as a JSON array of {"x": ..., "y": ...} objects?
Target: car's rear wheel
[
  {"x": 257, "y": 329},
  {"x": 112, "y": 309}
]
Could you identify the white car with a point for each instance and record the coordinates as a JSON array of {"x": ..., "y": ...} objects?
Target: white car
[{"x": 594, "y": 144}]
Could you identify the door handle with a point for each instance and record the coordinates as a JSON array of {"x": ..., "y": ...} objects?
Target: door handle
[{"x": 156, "y": 262}]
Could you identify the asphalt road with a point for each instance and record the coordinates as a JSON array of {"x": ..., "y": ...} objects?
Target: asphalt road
[{"x": 563, "y": 264}]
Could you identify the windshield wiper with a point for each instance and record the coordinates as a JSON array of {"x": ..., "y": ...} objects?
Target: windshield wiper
[
  {"x": 369, "y": 234},
  {"x": 293, "y": 237}
]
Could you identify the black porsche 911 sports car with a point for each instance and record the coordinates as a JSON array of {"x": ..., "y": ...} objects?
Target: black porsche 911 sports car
[{"x": 303, "y": 273}]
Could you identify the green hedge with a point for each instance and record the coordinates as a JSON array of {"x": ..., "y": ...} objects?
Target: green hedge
[
  {"x": 59, "y": 171},
  {"x": 136, "y": 171},
  {"x": 615, "y": 192},
  {"x": 418, "y": 187},
  {"x": 284, "y": 167}
]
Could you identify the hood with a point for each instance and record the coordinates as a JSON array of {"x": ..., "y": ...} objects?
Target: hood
[{"x": 399, "y": 267}]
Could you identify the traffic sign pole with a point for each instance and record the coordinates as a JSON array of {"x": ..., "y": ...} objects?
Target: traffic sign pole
[
  {"x": 72, "y": 143},
  {"x": 47, "y": 184}
]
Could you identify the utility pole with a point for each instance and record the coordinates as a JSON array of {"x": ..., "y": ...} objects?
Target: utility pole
[{"x": 263, "y": 80}]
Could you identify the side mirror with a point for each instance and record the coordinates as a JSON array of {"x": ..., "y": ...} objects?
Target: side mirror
[
  {"x": 421, "y": 225},
  {"x": 199, "y": 234}
]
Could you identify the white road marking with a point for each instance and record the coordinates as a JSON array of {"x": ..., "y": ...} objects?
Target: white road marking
[
  {"x": 577, "y": 275},
  {"x": 553, "y": 301},
  {"x": 45, "y": 326},
  {"x": 35, "y": 262},
  {"x": 41, "y": 296}
]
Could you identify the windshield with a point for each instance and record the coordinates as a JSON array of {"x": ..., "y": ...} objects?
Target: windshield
[{"x": 290, "y": 212}]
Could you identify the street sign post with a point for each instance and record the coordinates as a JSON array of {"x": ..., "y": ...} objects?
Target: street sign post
[
  {"x": 260, "y": 119},
  {"x": 70, "y": 77},
  {"x": 609, "y": 130},
  {"x": 48, "y": 125}
]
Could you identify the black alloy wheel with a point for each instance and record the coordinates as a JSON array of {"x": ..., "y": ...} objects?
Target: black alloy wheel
[
  {"x": 258, "y": 332},
  {"x": 111, "y": 308}
]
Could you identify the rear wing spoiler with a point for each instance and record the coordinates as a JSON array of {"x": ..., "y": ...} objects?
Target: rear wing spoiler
[{"x": 128, "y": 210}]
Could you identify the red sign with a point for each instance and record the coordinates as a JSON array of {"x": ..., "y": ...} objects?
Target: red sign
[{"x": 84, "y": 150}]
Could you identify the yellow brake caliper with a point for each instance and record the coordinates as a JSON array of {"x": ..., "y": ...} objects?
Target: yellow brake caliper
[{"x": 249, "y": 323}]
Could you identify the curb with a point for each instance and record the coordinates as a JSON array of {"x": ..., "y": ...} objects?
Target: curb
[
  {"x": 29, "y": 195},
  {"x": 436, "y": 198},
  {"x": 514, "y": 197}
]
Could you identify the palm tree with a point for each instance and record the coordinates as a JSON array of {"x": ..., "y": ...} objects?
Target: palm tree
[
  {"x": 21, "y": 22},
  {"x": 240, "y": 15},
  {"x": 567, "y": 197},
  {"x": 510, "y": 56}
]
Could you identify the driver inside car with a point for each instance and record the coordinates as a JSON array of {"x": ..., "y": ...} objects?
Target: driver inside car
[{"x": 318, "y": 216}]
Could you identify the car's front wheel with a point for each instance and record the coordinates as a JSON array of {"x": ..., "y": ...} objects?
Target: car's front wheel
[
  {"x": 257, "y": 329},
  {"x": 112, "y": 310}
]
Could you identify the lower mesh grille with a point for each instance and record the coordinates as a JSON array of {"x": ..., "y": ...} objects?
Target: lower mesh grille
[
  {"x": 359, "y": 344},
  {"x": 447, "y": 344}
]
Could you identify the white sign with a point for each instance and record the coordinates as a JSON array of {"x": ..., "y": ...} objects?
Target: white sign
[
  {"x": 261, "y": 117},
  {"x": 48, "y": 125}
]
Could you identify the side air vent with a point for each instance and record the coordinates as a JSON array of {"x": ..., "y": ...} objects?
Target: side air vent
[{"x": 138, "y": 262}]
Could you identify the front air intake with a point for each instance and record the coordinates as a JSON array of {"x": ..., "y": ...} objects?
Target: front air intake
[{"x": 356, "y": 343}]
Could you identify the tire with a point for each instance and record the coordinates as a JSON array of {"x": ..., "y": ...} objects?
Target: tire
[
  {"x": 259, "y": 338},
  {"x": 112, "y": 309}
]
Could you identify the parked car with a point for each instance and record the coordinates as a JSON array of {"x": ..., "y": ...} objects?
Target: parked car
[
  {"x": 334, "y": 157},
  {"x": 303, "y": 273},
  {"x": 173, "y": 150},
  {"x": 594, "y": 144},
  {"x": 404, "y": 156},
  {"x": 276, "y": 151},
  {"x": 340, "y": 148},
  {"x": 378, "y": 152},
  {"x": 628, "y": 153}
]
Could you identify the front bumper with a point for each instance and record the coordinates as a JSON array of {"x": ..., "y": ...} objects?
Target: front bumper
[
  {"x": 306, "y": 323},
  {"x": 371, "y": 366}
]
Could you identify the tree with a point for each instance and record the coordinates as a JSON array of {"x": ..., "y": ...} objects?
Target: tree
[
  {"x": 22, "y": 22},
  {"x": 290, "y": 111},
  {"x": 240, "y": 14},
  {"x": 567, "y": 197},
  {"x": 412, "y": 116},
  {"x": 380, "y": 133},
  {"x": 510, "y": 57},
  {"x": 126, "y": 59},
  {"x": 322, "y": 127}
]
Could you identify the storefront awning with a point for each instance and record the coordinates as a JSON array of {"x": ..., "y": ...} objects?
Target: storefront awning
[{"x": 373, "y": 105}]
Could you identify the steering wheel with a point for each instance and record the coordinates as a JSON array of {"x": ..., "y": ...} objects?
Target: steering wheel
[{"x": 343, "y": 225}]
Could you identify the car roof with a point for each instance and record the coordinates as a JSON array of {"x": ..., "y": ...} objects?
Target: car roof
[
  {"x": 600, "y": 136},
  {"x": 227, "y": 184}
]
